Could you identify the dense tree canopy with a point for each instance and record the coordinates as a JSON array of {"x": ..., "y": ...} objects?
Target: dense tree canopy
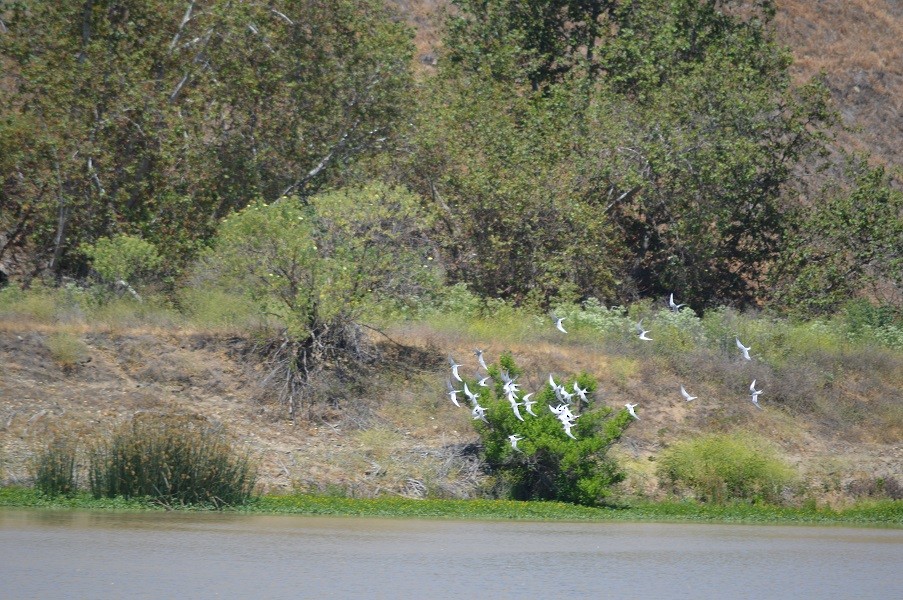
[
  {"x": 562, "y": 150},
  {"x": 657, "y": 137},
  {"x": 159, "y": 117}
]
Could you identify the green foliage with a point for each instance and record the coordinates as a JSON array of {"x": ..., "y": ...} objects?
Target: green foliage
[
  {"x": 548, "y": 464},
  {"x": 723, "y": 467},
  {"x": 66, "y": 349},
  {"x": 172, "y": 460},
  {"x": 614, "y": 149},
  {"x": 308, "y": 265},
  {"x": 122, "y": 257},
  {"x": 159, "y": 117},
  {"x": 848, "y": 241},
  {"x": 53, "y": 467}
]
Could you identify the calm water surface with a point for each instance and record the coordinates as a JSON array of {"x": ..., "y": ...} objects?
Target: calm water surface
[{"x": 59, "y": 554}]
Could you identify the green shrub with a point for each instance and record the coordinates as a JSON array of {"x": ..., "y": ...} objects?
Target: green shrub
[
  {"x": 53, "y": 467},
  {"x": 122, "y": 257},
  {"x": 173, "y": 460},
  {"x": 548, "y": 465},
  {"x": 66, "y": 349},
  {"x": 723, "y": 467}
]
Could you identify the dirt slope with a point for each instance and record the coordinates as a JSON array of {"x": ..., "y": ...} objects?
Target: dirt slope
[{"x": 398, "y": 433}]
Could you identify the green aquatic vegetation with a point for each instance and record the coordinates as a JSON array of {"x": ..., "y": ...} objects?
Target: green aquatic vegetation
[{"x": 882, "y": 513}]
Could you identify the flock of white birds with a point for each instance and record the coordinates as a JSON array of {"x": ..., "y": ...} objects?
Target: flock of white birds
[{"x": 564, "y": 396}]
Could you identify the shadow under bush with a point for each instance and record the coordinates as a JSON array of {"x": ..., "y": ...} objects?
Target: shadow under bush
[{"x": 173, "y": 460}]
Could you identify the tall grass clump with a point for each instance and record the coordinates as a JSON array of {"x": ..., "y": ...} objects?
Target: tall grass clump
[
  {"x": 174, "y": 461},
  {"x": 66, "y": 349},
  {"x": 722, "y": 467},
  {"x": 53, "y": 467}
]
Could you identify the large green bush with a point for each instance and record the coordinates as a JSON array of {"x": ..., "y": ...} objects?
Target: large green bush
[
  {"x": 722, "y": 467},
  {"x": 548, "y": 465}
]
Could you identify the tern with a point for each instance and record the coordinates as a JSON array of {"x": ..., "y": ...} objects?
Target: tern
[
  {"x": 674, "y": 306},
  {"x": 528, "y": 404},
  {"x": 552, "y": 382},
  {"x": 479, "y": 412},
  {"x": 514, "y": 439},
  {"x": 454, "y": 368},
  {"x": 754, "y": 394},
  {"x": 558, "y": 324},
  {"x": 473, "y": 397},
  {"x": 514, "y": 404},
  {"x": 479, "y": 355},
  {"x": 581, "y": 392},
  {"x": 567, "y": 429},
  {"x": 452, "y": 392},
  {"x": 686, "y": 394},
  {"x": 630, "y": 408},
  {"x": 643, "y": 332},
  {"x": 482, "y": 381},
  {"x": 744, "y": 349}
]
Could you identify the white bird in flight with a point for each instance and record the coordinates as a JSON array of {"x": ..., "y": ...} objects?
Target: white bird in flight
[
  {"x": 514, "y": 404},
  {"x": 558, "y": 324},
  {"x": 630, "y": 408},
  {"x": 744, "y": 349},
  {"x": 479, "y": 412},
  {"x": 754, "y": 394},
  {"x": 479, "y": 355},
  {"x": 473, "y": 397},
  {"x": 686, "y": 394},
  {"x": 581, "y": 392},
  {"x": 567, "y": 429},
  {"x": 452, "y": 392},
  {"x": 674, "y": 306},
  {"x": 454, "y": 368},
  {"x": 482, "y": 381},
  {"x": 643, "y": 332},
  {"x": 514, "y": 439},
  {"x": 528, "y": 404}
]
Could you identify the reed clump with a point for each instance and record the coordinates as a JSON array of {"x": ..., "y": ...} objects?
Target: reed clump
[
  {"x": 53, "y": 467},
  {"x": 173, "y": 460}
]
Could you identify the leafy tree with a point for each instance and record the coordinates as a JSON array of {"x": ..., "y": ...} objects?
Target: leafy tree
[
  {"x": 314, "y": 268},
  {"x": 122, "y": 257},
  {"x": 159, "y": 117},
  {"x": 549, "y": 465},
  {"x": 671, "y": 139},
  {"x": 847, "y": 241},
  {"x": 520, "y": 218}
]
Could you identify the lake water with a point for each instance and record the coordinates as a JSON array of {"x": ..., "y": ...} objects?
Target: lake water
[{"x": 61, "y": 554}]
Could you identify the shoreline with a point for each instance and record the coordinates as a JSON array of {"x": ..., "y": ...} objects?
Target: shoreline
[{"x": 879, "y": 513}]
